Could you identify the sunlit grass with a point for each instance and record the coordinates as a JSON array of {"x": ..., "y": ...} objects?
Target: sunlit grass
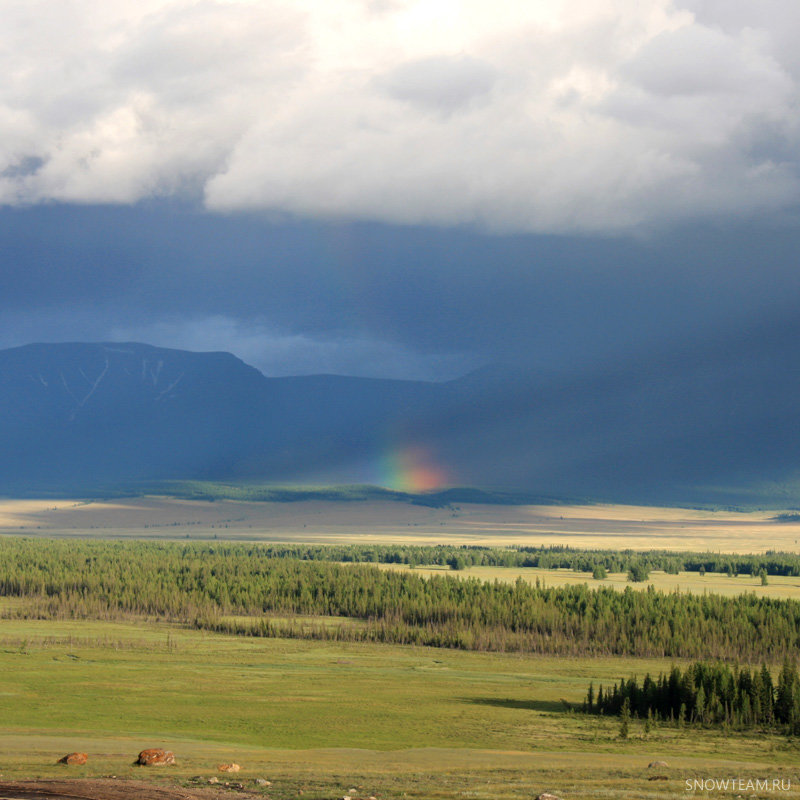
[
  {"x": 712, "y": 582},
  {"x": 317, "y": 716},
  {"x": 376, "y": 521}
]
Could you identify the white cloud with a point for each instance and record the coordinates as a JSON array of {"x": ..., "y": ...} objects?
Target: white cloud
[
  {"x": 445, "y": 83},
  {"x": 551, "y": 115}
]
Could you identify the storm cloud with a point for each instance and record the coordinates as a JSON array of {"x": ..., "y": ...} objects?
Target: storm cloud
[{"x": 298, "y": 297}]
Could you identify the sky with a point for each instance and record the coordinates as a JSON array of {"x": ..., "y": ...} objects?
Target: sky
[{"x": 401, "y": 189}]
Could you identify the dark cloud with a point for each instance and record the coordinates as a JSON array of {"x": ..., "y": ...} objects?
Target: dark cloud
[{"x": 294, "y": 296}]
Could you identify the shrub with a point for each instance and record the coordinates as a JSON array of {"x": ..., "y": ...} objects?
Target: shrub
[{"x": 638, "y": 573}]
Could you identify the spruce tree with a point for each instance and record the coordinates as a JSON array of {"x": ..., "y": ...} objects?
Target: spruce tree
[
  {"x": 624, "y": 719},
  {"x": 700, "y": 704},
  {"x": 784, "y": 700}
]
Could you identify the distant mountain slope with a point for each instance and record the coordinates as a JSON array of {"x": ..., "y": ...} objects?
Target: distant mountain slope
[
  {"x": 78, "y": 413},
  {"x": 665, "y": 430}
]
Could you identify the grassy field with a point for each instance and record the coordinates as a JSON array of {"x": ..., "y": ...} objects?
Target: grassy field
[
  {"x": 319, "y": 718},
  {"x": 325, "y": 717},
  {"x": 712, "y": 582},
  {"x": 374, "y": 521}
]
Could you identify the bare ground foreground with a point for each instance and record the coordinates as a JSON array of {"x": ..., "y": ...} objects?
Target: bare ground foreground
[
  {"x": 316, "y": 521},
  {"x": 100, "y": 789}
]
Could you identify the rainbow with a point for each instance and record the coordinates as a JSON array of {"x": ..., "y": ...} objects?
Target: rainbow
[{"x": 412, "y": 469}]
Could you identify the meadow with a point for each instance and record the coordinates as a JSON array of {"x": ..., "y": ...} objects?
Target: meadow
[
  {"x": 326, "y": 521},
  {"x": 319, "y": 718},
  {"x": 778, "y": 586}
]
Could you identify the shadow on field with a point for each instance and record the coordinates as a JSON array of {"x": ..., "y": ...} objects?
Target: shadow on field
[{"x": 552, "y": 706}]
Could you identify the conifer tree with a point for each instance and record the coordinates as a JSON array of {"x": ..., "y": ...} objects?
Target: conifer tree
[
  {"x": 785, "y": 693},
  {"x": 624, "y": 718}
]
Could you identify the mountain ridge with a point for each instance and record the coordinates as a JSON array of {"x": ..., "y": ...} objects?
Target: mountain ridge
[{"x": 76, "y": 413}]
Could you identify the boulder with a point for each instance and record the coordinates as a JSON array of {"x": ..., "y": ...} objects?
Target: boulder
[
  {"x": 74, "y": 758},
  {"x": 547, "y": 796},
  {"x": 654, "y": 764},
  {"x": 155, "y": 757},
  {"x": 228, "y": 767}
]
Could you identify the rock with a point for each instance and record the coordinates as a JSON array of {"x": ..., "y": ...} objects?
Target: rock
[
  {"x": 654, "y": 764},
  {"x": 74, "y": 759},
  {"x": 228, "y": 767},
  {"x": 547, "y": 796},
  {"x": 155, "y": 757},
  {"x": 213, "y": 779},
  {"x": 658, "y": 778},
  {"x": 263, "y": 782}
]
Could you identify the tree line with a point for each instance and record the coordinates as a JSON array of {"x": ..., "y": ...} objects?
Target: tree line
[
  {"x": 208, "y": 585},
  {"x": 548, "y": 557},
  {"x": 707, "y": 694}
]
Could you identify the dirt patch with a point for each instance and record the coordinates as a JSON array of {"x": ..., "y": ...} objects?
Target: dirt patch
[{"x": 103, "y": 789}]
